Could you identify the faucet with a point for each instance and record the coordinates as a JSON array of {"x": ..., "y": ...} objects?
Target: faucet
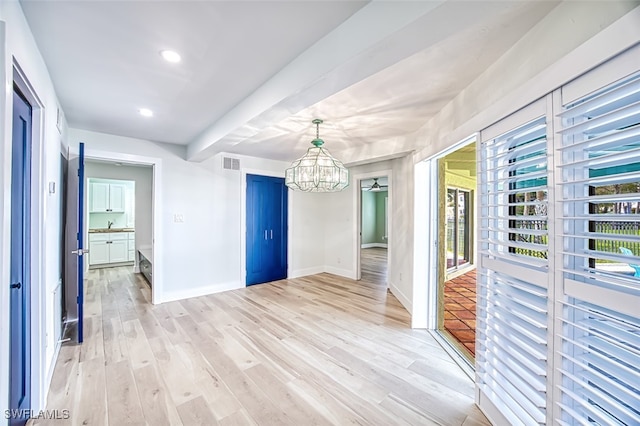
[{"x": 109, "y": 224}]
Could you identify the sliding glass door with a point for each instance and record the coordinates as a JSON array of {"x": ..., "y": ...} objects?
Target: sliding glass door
[{"x": 458, "y": 227}]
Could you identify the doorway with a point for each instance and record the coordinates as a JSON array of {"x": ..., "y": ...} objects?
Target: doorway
[
  {"x": 457, "y": 186},
  {"x": 20, "y": 277},
  {"x": 147, "y": 174},
  {"x": 374, "y": 229},
  {"x": 119, "y": 213}
]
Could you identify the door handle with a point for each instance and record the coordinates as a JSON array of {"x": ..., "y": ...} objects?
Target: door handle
[
  {"x": 80, "y": 252},
  {"x": 265, "y": 234},
  {"x": 272, "y": 234},
  {"x": 16, "y": 285}
]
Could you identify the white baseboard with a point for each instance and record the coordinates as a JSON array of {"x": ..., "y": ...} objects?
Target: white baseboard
[
  {"x": 340, "y": 272},
  {"x": 200, "y": 291},
  {"x": 52, "y": 366},
  {"x": 372, "y": 245},
  {"x": 297, "y": 273},
  {"x": 402, "y": 298}
]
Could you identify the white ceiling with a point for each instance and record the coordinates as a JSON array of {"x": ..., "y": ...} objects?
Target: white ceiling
[{"x": 254, "y": 74}]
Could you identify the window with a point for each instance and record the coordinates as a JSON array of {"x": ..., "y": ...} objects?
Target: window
[
  {"x": 513, "y": 322},
  {"x": 558, "y": 331},
  {"x": 601, "y": 197},
  {"x": 458, "y": 237}
]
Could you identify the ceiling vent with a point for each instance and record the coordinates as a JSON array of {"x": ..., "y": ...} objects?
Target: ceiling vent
[{"x": 230, "y": 163}]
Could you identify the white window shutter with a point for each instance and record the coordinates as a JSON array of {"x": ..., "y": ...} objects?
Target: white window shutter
[
  {"x": 600, "y": 355},
  {"x": 512, "y": 328}
]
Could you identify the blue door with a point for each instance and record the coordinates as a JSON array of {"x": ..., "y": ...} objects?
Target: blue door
[
  {"x": 80, "y": 236},
  {"x": 266, "y": 229},
  {"x": 19, "y": 316},
  {"x": 74, "y": 267}
]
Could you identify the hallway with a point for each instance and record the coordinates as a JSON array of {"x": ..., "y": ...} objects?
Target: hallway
[
  {"x": 373, "y": 264},
  {"x": 313, "y": 350}
]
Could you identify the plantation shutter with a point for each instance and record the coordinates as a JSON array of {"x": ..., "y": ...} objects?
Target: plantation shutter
[
  {"x": 599, "y": 359},
  {"x": 512, "y": 327}
]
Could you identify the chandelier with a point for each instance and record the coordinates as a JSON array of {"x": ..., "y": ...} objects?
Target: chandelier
[{"x": 317, "y": 170}]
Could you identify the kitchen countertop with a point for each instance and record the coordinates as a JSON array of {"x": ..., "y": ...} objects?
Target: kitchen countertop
[
  {"x": 147, "y": 252},
  {"x": 103, "y": 230}
]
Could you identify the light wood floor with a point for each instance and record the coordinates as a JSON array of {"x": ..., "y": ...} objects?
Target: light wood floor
[
  {"x": 373, "y": 265},
  {"x": 313, "y": 350}
]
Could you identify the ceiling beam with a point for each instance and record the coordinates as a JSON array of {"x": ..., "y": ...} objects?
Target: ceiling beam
[{"x": 378, "y": 35}]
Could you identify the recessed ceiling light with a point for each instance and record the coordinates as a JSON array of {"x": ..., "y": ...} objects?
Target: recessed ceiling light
[
  {"x": 170, "y": 56},
  {"x": 145, "y": 112}
]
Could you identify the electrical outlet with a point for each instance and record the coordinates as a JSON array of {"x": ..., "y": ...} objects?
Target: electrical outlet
[{"x": 178, "y": 218}]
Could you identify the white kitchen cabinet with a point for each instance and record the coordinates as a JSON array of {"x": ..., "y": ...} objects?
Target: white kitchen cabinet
[
  {"x": 106, "y": 197},
  {"x": 118, "y": 251},
  {"x": 132, "y": 246},
  {"x": 116, "y": 197},
  {"x": 98, "y": 197},
  {"x": 109, "y": 247},
  {"x": 98, "y": 252}
]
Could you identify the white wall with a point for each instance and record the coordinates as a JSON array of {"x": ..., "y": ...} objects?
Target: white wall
[
  {"x": 205, "y": 253},
  {"x": 553, "y": 52},
  {"x": 401, "y": 240},
  {"x": 142, "y": 176},
  {"x": 573, "y": 38},
  {"x": 340, "y": 214},
  {"x": 17, "y": 44}
]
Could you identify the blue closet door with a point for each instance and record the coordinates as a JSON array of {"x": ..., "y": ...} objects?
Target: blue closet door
[
  {"x": 20, "y": 286},
  {"x": 266, "y": 229},
  {"x": 278, "y": 229}
]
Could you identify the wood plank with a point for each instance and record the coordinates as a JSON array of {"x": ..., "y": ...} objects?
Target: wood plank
[
  {"x": 313, "y": 350},
  {"x": 157, "y": 406},
  {"x": 122, "y": 395},
  {"x": 90, "y": 397},
  {"x": 196, "y": 412}
]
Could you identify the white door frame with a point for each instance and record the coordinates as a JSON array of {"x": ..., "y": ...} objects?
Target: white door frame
[
  {"x": 243, "y": 220},
  {"x": 38, "y": 294},
  {"x": 426, "y": 209},
  {"x": 157, "y": 242},
  {"x": 357, "y": 220}
]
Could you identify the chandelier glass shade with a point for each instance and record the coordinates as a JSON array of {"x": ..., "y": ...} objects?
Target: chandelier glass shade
[{"x": 317, "y": 170}]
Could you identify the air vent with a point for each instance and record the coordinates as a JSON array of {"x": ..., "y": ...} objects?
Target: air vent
[{"x": 231, "y": 163}]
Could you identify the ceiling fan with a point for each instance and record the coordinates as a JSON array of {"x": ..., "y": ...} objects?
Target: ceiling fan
[{"x": 376, "y": 186}]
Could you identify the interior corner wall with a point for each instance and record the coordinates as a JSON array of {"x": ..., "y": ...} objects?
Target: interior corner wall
[
  {"x": 17, "y": 46},
  {"x": 196, "y": 255},
  {"x": 339, "y": 211},
  {"x": 203, "y": 253},
  {"x": 401, "y": 231}
]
